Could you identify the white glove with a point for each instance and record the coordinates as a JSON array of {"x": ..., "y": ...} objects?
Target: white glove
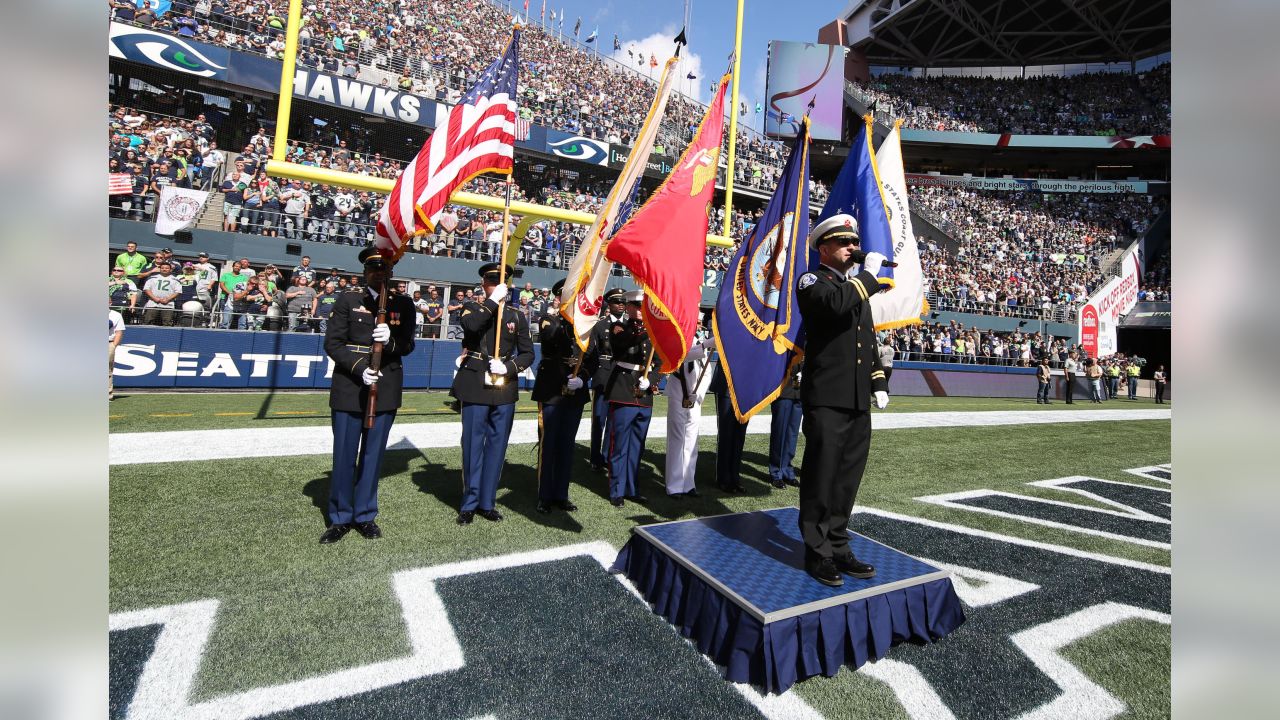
[
  {"x": 497, "y": 367},
  {"x": 381, "y": 332},
  {"x": 799, "y": 375},
  {"x": 873, "y": 262},
  {"x": 697, "y": 352},
  {"x": 644, "y": 384},
  {"x": 709, "y": 342},
  {"x": 574, "y": 383},
  {"x": 882, "y": 399},
  {"x": 498, "y": 293},
  {"x": 370, "y": 376}
]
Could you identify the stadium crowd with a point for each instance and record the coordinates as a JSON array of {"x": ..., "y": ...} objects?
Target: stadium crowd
[
  {"x": 1086, "y": 104},
  {"x": 437, "y": 50},
  {"x": 1021, "y": 253}
]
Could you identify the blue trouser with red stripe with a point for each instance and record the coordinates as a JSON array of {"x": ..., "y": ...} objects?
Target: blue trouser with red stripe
[
  {"x": 628, "y": 428},
  {"x": 485, "y": 431}
]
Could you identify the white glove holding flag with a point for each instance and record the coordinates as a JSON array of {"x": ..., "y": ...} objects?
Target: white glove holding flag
[
  {"x": 381, "y": 333},
  {"x": 644, "y": 384},
  {"x": 498, "y": 293},
  {"x": 873, "y": 262},
  {"x": 370, "y": 376},
  {"x": 882, "y": 399},
  {"x": 574, "y": 383},
  {"x": 497, "y": 367},
  {"x": 697, "y": 352}
]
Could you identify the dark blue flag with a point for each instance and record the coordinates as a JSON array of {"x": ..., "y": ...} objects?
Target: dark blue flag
[{"x": 757, "y": 321}]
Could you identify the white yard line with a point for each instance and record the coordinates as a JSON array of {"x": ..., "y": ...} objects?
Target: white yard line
[{"x": 189, "y": 445}]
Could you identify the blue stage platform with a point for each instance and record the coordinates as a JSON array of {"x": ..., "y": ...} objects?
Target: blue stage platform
[{"x": 736, "y": 586}]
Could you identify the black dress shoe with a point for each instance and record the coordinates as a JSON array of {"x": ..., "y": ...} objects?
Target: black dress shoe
[
  {"x": 334, "y": 534},
  {"x": 824, "y": 572},
  {"x": 693, "y": 493},
  {"x": 567, "y": 505},
  {"x": 778, "y": 483},
  {"x": 543, "y": 508},
  {"x": 792, "y": 482},
  {"x": 851, "y": 566},
  {"x": 599, "y": 468},
  {"x": 369, "y": 530},
  {"x": 490, "y": 515},
  {"x": 464, "y": 517},
  {"x": 637, "y": 498},
  {"x": 616, "y": 502}
]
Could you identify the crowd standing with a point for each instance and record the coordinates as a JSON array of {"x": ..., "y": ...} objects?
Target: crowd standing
[{"x": 1087, "y": 104}]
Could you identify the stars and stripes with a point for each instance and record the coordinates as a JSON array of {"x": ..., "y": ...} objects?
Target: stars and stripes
[{"x": 477, "y": 135}]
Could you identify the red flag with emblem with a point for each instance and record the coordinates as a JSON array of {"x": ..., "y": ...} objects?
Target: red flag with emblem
[{"x": 665, "y": 241}]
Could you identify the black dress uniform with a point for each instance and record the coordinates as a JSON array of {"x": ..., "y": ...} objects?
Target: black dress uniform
[
  {"x": 731, "y": 435},
  {"x": 559, "y": 410},
  {"x": 630, "y": 409},
  {"x": 357, "y": 452},
  {"x": 488, "y": 411},
  {"x": 842, "y": 370},
  {"x": 784, "y": 429},
  {"x": 601, "y": 350}
]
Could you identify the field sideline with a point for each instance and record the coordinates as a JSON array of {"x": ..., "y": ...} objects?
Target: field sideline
[{"x": 243, "y": 531}]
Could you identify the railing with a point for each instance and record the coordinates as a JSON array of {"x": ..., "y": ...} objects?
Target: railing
[{"x": 1058, "y": 312}]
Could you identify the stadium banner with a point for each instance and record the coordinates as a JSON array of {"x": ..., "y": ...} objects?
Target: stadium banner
[
  {"x": 536, "y": 141},
  {"x": 309, "y": 84},
  {"x": 1098, "y": 187},
  {"x": 904, "y": 303},
  {"x": 170, "y": 52},
  {"x": 1101, "y": 313},
  {"x": 577, "y": 147},
  {"x": 179, "y": 209},
  {"x": 799, "y": 73},
  {"x": 655, "y": 166},
  {"x": 1090, "y": 142},
  {"x": 757, "y": 324}
]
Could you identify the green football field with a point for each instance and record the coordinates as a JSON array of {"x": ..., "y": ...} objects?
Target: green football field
[{"x": 564, "y": 638}]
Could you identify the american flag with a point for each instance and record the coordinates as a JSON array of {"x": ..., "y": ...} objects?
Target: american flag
[
  {"x": 522, "y": 128},
  {"x": 477, "y": 136},
  {"x": 119, "y": 184}
]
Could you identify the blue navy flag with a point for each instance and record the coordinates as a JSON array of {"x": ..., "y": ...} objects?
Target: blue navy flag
[
  {"x": 857, "y": 192},
  {"x": 757, "y": 322}
]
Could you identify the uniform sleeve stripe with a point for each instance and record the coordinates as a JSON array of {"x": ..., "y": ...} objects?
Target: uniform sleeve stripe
[{"x": 861, "y": 290}]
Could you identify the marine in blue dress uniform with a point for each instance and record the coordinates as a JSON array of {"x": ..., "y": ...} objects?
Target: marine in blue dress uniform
[
  {"x": 842, "y": 373},
  {"x": 784, "y": 430},
  {"x": 560, "y": 390},
  {"x": 632, "y": 383},
  {"x": 486, "y": 388},
  {"x": 601, "y": 348},
  {"x": 348, "y": 340}
]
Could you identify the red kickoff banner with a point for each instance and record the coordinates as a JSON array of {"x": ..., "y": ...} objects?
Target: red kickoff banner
[{"x": 665, "y": 241}]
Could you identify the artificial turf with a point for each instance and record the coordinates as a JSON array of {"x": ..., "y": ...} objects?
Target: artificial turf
[{"x": 244, "y": 531}]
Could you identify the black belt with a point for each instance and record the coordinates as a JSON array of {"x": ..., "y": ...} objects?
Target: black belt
[
  {"x": 606, "y": 357},
  {"x": 360, "y": 348},
  {"x": 479, "y": 356}
]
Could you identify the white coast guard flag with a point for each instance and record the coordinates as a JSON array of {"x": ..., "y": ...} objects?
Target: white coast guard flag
[
  {"x": 904, "y": 303},
  {"x": 583, "y": 293},
  {"x": 178, "y": 209}
]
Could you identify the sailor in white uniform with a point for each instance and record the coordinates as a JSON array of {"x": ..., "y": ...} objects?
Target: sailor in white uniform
[{"x": 685, "y": 391}]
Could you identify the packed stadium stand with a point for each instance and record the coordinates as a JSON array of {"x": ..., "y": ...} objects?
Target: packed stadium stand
[{"x": 988, "y": 254}]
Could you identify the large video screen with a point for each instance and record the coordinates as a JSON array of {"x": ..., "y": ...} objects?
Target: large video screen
[{"x": 800, "y": 72}]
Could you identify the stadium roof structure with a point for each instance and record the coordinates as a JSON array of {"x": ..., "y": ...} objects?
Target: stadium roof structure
[{"x": 962, "y": 33}]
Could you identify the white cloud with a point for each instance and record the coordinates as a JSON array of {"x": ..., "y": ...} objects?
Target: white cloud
[{"x": 661, "y": 45}]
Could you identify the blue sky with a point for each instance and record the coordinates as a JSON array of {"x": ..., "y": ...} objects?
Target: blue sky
[{"x": 649, "y": 25}]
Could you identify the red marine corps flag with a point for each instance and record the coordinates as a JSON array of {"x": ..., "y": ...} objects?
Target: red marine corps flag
[
  {"x": 665, "y": 241},
  {"x": 478, "y": 135}
]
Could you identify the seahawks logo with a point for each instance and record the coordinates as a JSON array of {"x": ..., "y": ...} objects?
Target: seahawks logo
[
  {"x": 582, "y": 149},
  {"x": 165, "y": 51}
]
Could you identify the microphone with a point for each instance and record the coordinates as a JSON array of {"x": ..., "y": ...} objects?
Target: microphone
[{"x": 860, "y": 257}]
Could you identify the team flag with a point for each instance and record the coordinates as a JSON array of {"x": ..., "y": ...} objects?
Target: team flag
[
  {"x": 616, "y": 45},
  {"x": 757, "y": 322},
  {"x": 476, "y": 136},
  {"x": 857, "y": 192},
  {"x": 577, "y": 25},
  {"x": 653, "y": 61},
  {"x": 664, "y": 243},
  {"x": 904, "y": 303},
  {"x": 583, "y": 293},
  {"x": 592, "y": 37}
]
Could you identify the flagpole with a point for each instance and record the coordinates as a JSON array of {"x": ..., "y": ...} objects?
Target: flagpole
[
  {"x": 502, "y": 277},
  {"x": 733, "y": 124}
]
